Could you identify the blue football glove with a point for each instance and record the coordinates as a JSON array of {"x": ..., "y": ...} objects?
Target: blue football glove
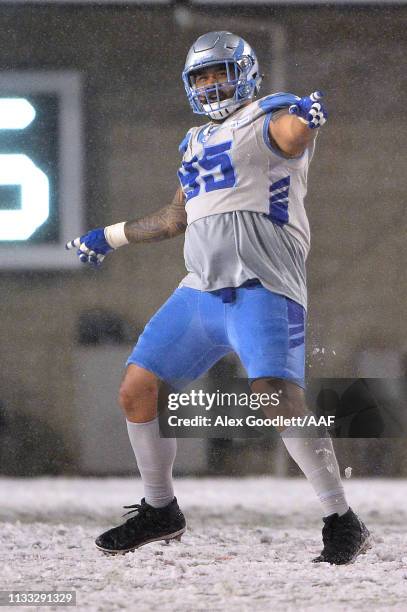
[
  {"x": 92, "y": 247},
  {"x": 311, "y": 110}
]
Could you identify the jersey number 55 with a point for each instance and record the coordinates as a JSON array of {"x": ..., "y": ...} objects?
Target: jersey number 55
[{"x": 213, "y": 171}]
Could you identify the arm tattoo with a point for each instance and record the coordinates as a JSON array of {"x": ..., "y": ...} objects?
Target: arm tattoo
[{"x": 167, "y": 222}]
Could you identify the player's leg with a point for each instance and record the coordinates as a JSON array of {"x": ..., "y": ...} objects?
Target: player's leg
[
  {"x": 174, "y": 348},
  {"x": 268, "y": 332},
  {"x": 344, "y": 534},
  {"x": 310, "y": 446},
  {"x": 138, "y": 397},
  {"x": 158, "y": 516}
]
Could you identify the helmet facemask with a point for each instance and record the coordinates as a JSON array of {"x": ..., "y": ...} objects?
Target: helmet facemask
[{"x": 220, "y": 99}]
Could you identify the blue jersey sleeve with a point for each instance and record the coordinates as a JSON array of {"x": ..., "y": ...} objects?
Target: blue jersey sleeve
[{"x": 278, "y": 101}]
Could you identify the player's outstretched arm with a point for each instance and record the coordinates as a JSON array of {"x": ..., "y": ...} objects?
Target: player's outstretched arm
[
  {"x": 167, "y": 222},
  {"x": 294, "y": 130}
]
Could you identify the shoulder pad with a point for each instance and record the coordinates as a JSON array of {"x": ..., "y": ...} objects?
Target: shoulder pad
[
  {"x": 185, "y": 142},
  {"x": 277, "y": 101}
]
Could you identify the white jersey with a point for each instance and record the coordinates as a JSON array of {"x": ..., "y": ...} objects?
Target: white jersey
[
  {"x": 233, "y": 166},
  {"x": 228, "y": 249}
]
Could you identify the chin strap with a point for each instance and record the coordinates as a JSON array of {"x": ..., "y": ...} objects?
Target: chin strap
[{"x": 221, "y": 113}]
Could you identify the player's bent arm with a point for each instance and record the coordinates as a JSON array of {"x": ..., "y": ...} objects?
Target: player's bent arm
[
  {"x": 167, "y": 222},
  {"x": 290, "y": 134}
]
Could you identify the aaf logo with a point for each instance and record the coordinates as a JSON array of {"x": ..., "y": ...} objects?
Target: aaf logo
[{"x": 19, "y": 172}]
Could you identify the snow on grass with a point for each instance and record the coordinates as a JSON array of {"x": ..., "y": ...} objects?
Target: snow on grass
[{"x": 248, "y": 546}]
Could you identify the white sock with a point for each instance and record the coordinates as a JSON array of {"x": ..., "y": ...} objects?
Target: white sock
[
  {"x": 155, "y": 458},
  {"x": 316, "y": 458}
]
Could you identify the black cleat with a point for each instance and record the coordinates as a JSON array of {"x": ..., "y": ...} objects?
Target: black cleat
[
  {"x": 148, "y": 525},
  {"x": 344, "y": 537}
]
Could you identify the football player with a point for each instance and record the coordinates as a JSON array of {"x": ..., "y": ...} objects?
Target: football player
[{"x": 243, "y": 180}]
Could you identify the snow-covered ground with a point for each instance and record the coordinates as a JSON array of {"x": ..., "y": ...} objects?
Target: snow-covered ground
[{"x": 248, "y": 546}]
